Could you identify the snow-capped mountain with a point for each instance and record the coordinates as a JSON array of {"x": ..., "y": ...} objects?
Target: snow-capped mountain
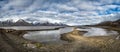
[
  {"x": 22, "y": 22},
  {"x": 68, "y": 19}
]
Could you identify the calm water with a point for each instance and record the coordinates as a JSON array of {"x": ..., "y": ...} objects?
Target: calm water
[
  {"x": 54, "y": 35},
  {"x": 47, "y": 36},
  {"x": 94, "y": 31},
  {"x": 31, "y": 27}
]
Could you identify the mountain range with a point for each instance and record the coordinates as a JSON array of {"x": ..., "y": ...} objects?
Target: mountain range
[{"x": 22, "y": 22}]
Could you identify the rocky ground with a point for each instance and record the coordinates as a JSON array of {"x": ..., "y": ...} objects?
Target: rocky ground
[
  {"x": 92, "y": 44},
  {"x": 12, "y": 41}
]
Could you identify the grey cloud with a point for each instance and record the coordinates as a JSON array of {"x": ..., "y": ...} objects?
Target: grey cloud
[{"x": 75, "y": 12}]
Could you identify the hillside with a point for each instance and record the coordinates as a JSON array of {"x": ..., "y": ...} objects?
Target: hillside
[{"x": 110, "y": 23}]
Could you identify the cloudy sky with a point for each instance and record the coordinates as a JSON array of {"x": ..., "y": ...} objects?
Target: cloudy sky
[{"x": 71, "y": 12}]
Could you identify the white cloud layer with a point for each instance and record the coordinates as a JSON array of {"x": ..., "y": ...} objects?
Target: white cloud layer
[{"x": 72, "y": 12}]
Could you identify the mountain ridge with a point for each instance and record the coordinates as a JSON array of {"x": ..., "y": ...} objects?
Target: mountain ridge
[
  {"x": 22, "y": 22},
  {"x": 110, "y": 23}
]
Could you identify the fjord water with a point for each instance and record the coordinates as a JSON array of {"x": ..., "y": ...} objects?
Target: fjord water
[{"x": 54, "y": 35}]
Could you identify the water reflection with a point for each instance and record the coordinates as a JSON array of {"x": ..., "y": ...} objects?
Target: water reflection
[
  {"x": 54, "y": 35},
  {"x": 94, "y": 31},
  {"x": 47, "y": 36}
]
